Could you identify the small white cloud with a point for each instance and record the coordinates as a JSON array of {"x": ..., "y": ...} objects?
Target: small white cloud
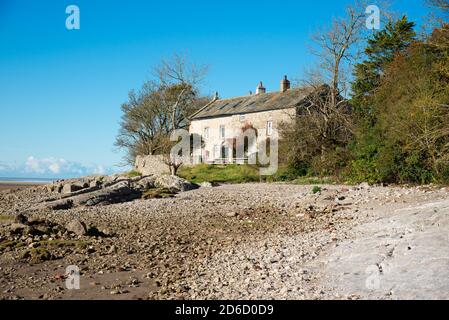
[
  {"x": 33, "y": 165},
  {"x": 58, "y": 167},
  {"x": 55, "y": 168},
  {"x": 99, "y": 170}
]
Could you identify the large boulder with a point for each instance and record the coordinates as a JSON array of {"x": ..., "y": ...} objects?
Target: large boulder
[
  {"x": 19, "y": 229},
  {"x": 69, "y": 186},
  {"x": 21, "y": 218},
  {"x": 206, "y": 184},
  {"x": 119, "y": 192},
  {"x": 92, "y": 191},
  {"x": 115, "y": 193},
  {"x": 145, "y": 183},
  {"x": 77, "y": 227},
  {"x": 95, "y": 183},
  {"x": 151, "y": 164},
  {"x": 173, "y": 183},
  {"x": 72, "y": 187}
]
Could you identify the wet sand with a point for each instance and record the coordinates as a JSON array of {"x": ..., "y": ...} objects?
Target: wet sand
[{"x": 6, "y": 185}]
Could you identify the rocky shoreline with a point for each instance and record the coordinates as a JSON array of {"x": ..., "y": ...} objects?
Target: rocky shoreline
[{"x": 180, "y": 241}]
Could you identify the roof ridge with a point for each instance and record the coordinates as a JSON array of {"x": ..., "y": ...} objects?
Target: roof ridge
[{"x": 201, "y": 109}]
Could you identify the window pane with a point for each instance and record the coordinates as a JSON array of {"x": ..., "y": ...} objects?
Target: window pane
[{"x": 269, "y": 127}]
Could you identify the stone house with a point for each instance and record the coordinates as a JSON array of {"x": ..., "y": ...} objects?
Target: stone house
[{"x": 222, "y": 120}]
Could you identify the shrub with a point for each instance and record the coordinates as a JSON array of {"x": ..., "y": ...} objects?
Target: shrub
[
  {"x": 316, "y": 189},
  {"x": 132, "y": 174},
  {"x": 287, "y": 173},
  {"x": 331, "y": 162},
  {"x": 363, "y": 170}
]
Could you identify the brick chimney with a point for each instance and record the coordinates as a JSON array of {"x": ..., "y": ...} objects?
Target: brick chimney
[
  {"x": 285, "y": 84},
  {"x": 260, "y": 88}
]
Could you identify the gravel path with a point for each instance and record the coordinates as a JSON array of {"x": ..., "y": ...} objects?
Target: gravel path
[{"x": 249, "y": 241}]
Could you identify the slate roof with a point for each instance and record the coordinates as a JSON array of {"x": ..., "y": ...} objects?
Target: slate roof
[{"x": 252, "y": 103}]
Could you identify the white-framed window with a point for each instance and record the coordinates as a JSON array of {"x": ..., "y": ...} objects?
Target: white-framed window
[
  {"x": 269, "y": 128},
  {"x": 206, "y": 133},
  {"x": 242, "y": 117},
  {"x": 222, "y": 132},
  {"x": 223, "y": 152}
]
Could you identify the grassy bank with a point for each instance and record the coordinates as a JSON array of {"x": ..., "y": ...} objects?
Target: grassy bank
[
  {"x": 220, "y": 174},
  {"x": 243, "y": 174}
]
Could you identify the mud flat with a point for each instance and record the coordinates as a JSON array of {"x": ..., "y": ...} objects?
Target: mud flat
[
  {"x": 6, "y": 185},
  {"x": 248, "y": 241}
]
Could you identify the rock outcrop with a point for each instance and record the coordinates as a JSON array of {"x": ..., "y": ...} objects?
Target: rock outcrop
[
  {"x": 77, "y": 227},
  {"x": 173, "y": 183},
  {"x": 152, "y": 164},
  {"x": 105, "y": 190}
]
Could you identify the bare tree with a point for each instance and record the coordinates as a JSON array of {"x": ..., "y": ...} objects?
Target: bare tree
[
  {"x": 159, "y": 107},
  {"x": 336, "y": 48},
  {"x": 436, "y": 18},
  {"x": 318, "y": 129},
  {"x": 182, "y": 78},
  {"x": 440, "y": 4},
  {"x": 323, "y": 123}
]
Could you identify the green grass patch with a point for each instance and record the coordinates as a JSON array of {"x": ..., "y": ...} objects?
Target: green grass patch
[
  {"x": 36, "y": 255},
  {"x": 64, "y": 243},
  {"x": 316, "y": 189},
  {"x": 231, "y": 173},
  {"x": 234, "y": 173},
  {"x": 11, "y": 244},
  {"x": 4, "y": 217},
  {"x": 158, "y": 193},
  {"x": 132, "y": 174}
]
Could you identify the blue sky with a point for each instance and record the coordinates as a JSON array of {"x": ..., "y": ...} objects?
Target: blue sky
[{"x": 61, "y": 90}]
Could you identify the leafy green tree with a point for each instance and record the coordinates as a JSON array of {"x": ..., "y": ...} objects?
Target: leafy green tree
[
  {"x": 411, "y": 133},
  {"x": 380, "y": 51}
]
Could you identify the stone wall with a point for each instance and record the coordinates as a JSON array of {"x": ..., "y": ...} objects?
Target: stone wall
[{"x": 148, "y": 165}]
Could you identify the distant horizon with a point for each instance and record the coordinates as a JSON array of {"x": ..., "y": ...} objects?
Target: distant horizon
[
  {"x": 17, "y": 179},
  {"x": 35, "y": 179}
]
